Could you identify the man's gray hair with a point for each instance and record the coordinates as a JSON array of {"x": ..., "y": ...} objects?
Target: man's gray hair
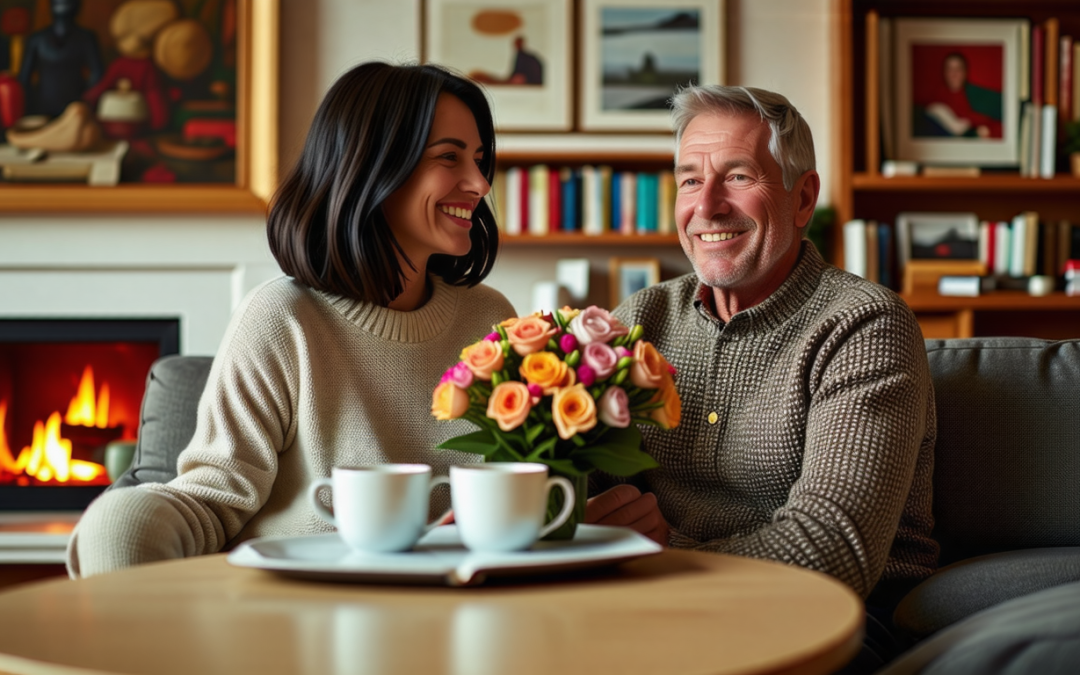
[{"x": 790, "y": 144}]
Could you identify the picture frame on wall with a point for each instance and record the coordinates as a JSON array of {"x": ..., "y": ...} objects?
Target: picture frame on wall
[
  {"x": 182, "y": 101},
  {"x": 937, "y": 236},
  {"x": 957, "y": 90},
  {"x": 634, "y": 54},
  {"x": 630, "y": 275},
  {"x": 520, "y": 53}
]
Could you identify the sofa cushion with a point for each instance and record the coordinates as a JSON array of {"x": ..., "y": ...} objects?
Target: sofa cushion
[
  {"x": 1007, "y": 459},
  {"x": 1036, "y": 633},
  {"x": 167, "y": 418},
  {"x": 969, "y": 586}
]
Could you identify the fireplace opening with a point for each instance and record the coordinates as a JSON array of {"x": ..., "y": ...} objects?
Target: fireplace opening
[{"x": 68, "y": 388}]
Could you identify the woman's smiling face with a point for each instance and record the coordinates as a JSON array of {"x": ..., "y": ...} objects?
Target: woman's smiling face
[{"x": 432, "y": 212}]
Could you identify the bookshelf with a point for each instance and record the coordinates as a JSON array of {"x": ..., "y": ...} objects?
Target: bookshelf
[{"x": 861, "y": 191}]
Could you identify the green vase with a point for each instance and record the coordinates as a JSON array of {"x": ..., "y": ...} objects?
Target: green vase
[{"x": 566, "y": 531}]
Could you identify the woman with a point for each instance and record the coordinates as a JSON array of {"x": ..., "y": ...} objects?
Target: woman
[{"x": 383, "y": 232}]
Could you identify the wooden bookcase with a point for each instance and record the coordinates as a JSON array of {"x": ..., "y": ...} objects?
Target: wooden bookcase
[{"x": 860, "y": 190}]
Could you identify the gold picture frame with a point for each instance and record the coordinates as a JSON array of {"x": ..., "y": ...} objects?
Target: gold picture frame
[
  {"x": 257, "y": 25},
  {"x": 629, "y": 275}
]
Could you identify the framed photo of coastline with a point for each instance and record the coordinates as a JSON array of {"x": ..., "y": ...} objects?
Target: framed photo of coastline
[
  {"x": 937, "y": 236},
  {"x": 520, "y": 53},
  {"x": 957, "y": 90},
  {"x": 629, "y": 275},
  {"x": 634, "y": 54}
]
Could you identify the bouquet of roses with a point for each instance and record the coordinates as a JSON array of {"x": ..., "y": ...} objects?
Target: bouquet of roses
[{"x": 565, "y": 389}]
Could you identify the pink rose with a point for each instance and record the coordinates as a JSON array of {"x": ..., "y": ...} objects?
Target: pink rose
[
  {"x": 623, "y": 351},
  {"x": 601, "y": 358},
  {"x": 529, "y": 334},
  {"x": 458, "y": 374},
  {"x": 614, "y": 408},
  {"x": 596, "y": 325}
]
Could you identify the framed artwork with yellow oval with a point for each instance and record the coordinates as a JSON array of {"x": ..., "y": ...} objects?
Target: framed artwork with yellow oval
[{"x": 520, "y": 53}]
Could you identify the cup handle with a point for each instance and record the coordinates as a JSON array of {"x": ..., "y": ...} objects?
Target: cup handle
[
  {"x": 437, "y": 480},
  {"x": 567, "y": 507},
  {"x": 313, "y": 494}
]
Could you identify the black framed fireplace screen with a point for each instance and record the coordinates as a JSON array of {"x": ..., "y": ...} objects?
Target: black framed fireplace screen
[{"x": 69, "y": 388}]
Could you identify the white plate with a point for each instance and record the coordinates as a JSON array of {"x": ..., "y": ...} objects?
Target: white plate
[{"x": 439, "y": 557}]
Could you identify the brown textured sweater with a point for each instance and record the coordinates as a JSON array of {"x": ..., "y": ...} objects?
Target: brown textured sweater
[
  {"x": 820, "y": 451},
  {"x": 303, "y": 381}
]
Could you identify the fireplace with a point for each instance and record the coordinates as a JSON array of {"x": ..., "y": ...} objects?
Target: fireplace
[{"x": 67, "y": 389}]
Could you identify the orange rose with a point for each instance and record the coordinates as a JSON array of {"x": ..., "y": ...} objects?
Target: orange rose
[
  {"x": 509, "y": 405},
  {"x": 546, "y": 371},
  {"x": 529, "y": 334},
  {"x": 483, "y": 358},
  {"x": 573, "y": 410},
  {"x": 670, "y": 414},
  {"x": 649, "y": 367},
  {"x": 449, "y": 401}
]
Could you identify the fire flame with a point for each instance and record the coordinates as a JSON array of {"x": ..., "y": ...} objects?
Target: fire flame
[
  {"x": 82, "y": 411},
  {"x": 48, "y": 457}
]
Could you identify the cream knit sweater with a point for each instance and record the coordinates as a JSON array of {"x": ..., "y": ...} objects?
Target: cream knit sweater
[
  {"x": 808, "y": 426},
  {"x": 303, "y": 381}
]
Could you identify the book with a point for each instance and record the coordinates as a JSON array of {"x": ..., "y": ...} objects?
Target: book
[
  {"x": 1051, "y": 43},
  {"x": 1018, "y": 246},
  {"x": 617, "y": 199},
  {"x": 1026, "y": 130},
  {"x": 523, "y": 199},
  {"x": 1048, "y": 152},
  {"x": 986, "y": 250},
  {"x": 887, "y": 256},
  {"x": 512, "y": 199},
  {"x": 603, "y": 175},
  {"x": 1031, "y": 243},
  {"x": 1023, "y": 80},
  {"x": 665, "y": 207},
  {"x": 1037, "y": 54},
  {"x": 538, "y": 200},
  {"x": 570, "y": 180},
  {"x": 873, "y": 271},
  {"x": 627, "y": 223},
  {"x": 1002, "y": 242},
  {"x": 646, "y": 203},
  {"x": 1065, "y": 81},
  {"x": 855, "y": 247},
  {"x": 554, "y": 187},
  {"x": 590, "y": 201}
]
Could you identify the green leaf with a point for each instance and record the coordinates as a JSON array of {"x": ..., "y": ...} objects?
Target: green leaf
[
  {"x": 543, "y": 448},
  {"x": 504, "y": 443},
  {"x": 565, "y": 467},
  {"x": 616, "y": 460},
  {"x": 533, "y": 433},
  {"x": 480, "y": 442},
  {"x": 579, "y": 441}
]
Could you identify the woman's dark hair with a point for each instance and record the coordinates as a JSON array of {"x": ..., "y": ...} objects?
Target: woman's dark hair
[{"x": 326, "y": 226}]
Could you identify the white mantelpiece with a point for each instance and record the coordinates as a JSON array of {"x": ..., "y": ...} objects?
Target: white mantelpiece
[{"x": 196, "y": 269}]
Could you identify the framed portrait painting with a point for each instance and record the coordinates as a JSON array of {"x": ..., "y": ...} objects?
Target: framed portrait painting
[
  {"x": 519, "y": 52},
  {"x": 957, "y": 90},
  {"x": 636, "y": 53},
  {"x": 630, "y": 275},
  {"x": 143, "y": 107}
]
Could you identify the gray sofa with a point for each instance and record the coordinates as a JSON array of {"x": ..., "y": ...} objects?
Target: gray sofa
[{"x": 1006, "y": 502}]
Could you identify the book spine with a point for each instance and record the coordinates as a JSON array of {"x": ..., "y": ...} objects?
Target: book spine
[
  {"x": 512, "y": 210},
  {"x": 665, "y": 222},
  {"x": 554, "y": 186},
  {"x": 590, "y": 204},
  {"x": 538, "y": 200},
  {"x": 523, "y": 199},
  {"x": 1031, "y": 243},
  {"x": 603, "y": 174},
  {"x": 855, "y": 247},
  {"x": 1065, "y": 93},
  {"x": 627, "y": 221},
  {"x": 1002, "y": 240},
  {"x": 570, "y": 180},
  {"x": 1051, "y": 42},
  {"x": 1018, "y": 245},
  {"x": 617, "y": 188},
  {"x": 986, "y": 255},
  {"x": 1048, "y": 151},
  {"x": 886, "y": 259}
]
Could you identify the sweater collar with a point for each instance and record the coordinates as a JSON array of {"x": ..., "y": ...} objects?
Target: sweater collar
[
  {"x": 419, "y": 325},
  {"x": 778, "y": 307}
]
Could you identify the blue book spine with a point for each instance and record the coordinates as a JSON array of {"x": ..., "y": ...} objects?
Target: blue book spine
[
  {"x": 616, "y": 199},
  {"x": 885, "y": 256},
  {"x": 571, "y": 202}
]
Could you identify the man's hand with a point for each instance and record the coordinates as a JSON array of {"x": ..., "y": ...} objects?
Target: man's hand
[{"x": 625, "y": 505}]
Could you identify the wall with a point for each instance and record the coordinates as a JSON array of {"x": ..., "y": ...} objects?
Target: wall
[{"x": 199, "y": 267}]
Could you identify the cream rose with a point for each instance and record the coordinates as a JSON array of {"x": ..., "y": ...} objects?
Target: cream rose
[
  {"x": 509, "y": 405},
  {"x": 601, "y": 358},
  {"x": 614, "y": 408},
  {"x": 596, "y": 325},
  {"x": 573, "y": 411}
]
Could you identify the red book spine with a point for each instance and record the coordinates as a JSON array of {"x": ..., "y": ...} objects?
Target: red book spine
[
  {"x": 554, "y": 200},
  {"x": 1037, "y": 53},
  {"x": 991, "y": 247}
]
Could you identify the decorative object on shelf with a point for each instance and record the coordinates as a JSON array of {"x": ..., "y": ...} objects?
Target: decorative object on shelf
[
  {"x": 957, "y": 90},
  {"x": 167, "y": 63},
  {"x": 565, "y": 389},
  {"x": 635, "y": 53},
  {"x": 629, "y": 275},
  {"x": 519, "y": 53},
  {"x": 937, "y": 236}
]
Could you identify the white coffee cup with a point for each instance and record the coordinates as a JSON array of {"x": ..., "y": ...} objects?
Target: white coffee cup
[
  {"x": 500, "y": 506},
  {"x": 379, "y": 508}
]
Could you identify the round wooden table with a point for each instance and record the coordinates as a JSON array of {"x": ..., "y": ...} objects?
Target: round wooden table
[{"x": 675, "y": 612}]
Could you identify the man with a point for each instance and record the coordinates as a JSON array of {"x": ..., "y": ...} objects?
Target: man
[{"x": 808, "y": 423}]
